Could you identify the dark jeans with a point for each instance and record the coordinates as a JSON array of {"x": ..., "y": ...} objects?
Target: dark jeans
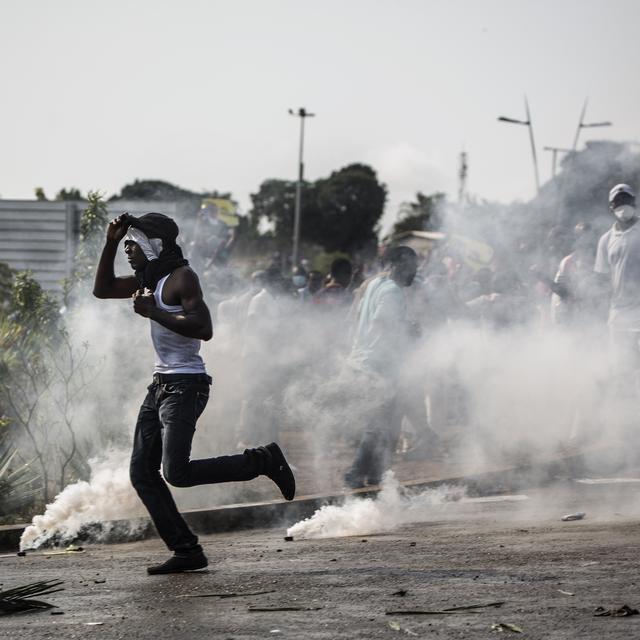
[
  {"x": 377, "y": 444},
  {"x": 164, "y": 431}
]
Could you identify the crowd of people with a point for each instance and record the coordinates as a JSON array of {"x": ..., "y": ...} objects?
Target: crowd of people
[
  {"x": 337, "y": 349},
  {"x": 359, "y": 324}
]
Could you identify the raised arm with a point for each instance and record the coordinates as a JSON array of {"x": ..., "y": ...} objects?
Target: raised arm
[
  {"x": 106, "y": 284},
  {"x": 194, "y": 321}
]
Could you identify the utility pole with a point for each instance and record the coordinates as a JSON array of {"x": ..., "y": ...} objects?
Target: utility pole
[
  {"x": 527, "y": 123},
  {"x": 555, "y": 151},
  {"x": 462, "y": 177},
  {"x": 582, "y": 125},
  {"x": 302, "y": 114}
]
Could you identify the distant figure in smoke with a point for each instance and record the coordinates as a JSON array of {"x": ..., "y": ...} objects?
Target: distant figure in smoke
[
  {"x": 231, "y": 320},
  {"x": 573, "y": 287},
  {"x": 618, "y": 262},
  {"x": 379, "y": 340},
  {"x": 166, "y": 290},
  {"x": 213, "y": 238},
  {"x": 336, "y": 291},
  {"x": 313, "y": 284},
  {"x": 299, "y": 278},
  {"x": 263, "y": 366}
]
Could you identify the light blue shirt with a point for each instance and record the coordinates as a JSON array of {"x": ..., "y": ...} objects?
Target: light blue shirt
[{"x": 380, "y": 328}]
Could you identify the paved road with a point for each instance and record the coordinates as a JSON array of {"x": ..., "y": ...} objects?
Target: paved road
[{"x": 516, "y": 552}]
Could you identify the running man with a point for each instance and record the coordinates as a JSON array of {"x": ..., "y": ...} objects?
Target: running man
[{"x": 167, "y": 291}]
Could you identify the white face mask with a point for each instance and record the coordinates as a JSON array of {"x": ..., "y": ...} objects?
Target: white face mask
[
  {"x": 299, "y": 281},
  {"x": 625, "y": 212}
]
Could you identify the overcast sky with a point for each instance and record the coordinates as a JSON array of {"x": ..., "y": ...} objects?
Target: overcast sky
[{"x": 96, "y": 94}]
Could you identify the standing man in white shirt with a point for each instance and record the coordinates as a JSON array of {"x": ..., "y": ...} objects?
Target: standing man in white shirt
[{"x": 618, "y": 262}]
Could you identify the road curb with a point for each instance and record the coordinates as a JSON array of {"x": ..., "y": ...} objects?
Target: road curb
[{"x": 281, "y": 513}]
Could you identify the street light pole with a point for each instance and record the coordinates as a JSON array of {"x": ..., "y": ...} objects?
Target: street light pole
[
  {"x": 582, "y": 125},
  {"x": 533, "y": 144},
  {"x": 529, "y": 124},
  {"x": 554, "y": 157},
  {"x": 302, "y": 114}
]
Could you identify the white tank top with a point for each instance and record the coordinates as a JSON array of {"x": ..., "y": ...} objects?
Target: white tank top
[{"x": 174, "y": 353}]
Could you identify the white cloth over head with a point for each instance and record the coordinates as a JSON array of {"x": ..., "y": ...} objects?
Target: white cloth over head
[{"x": 150, "y": 247}]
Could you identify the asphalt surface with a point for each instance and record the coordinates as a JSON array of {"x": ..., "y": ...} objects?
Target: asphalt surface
[{"x": 518, "y": 553}]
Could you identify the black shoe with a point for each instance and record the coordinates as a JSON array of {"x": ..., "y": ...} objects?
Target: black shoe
[
  {"x": 179, "y": 564},
  {"x": 278, "y": 470}
]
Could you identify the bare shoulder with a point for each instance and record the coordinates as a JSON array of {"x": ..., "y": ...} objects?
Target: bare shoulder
[
  {"x": 185, "y": 275},
  {"x": 183, "y": 282}
]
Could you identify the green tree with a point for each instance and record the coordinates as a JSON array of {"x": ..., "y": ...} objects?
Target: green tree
[
  {"x": 42, "y": 375},
  {"x": 163, "y": 191},
  {"x": 6, "y": 284},
  {"x": 423, "y": 214},
  {"x": 40, "y": 194},
  {"x": 339, "y": 213},
  {"x": 31, "y": 307},
  {"x": 349, "y": 204},
  {"x": 69, "y": 194},
  {"x": 274, "y": 203},
  {"x": 93, "y": 223}
]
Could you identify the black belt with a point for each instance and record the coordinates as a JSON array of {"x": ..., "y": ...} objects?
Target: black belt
[{"x": 167, "y": 378}]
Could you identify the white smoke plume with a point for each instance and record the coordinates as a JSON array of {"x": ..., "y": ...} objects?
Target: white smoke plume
[
  {"x": 107, "y": 496},
  {"x": 387, "y": 511}
]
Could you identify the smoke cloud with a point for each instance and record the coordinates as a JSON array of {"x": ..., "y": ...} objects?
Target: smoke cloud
[
  {"x": 387, "y": 511},
  {"x": 107, "y": 496},
  {"x": 490, "y": 373}
]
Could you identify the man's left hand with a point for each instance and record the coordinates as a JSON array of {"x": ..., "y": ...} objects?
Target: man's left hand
[{"x": 144, "y": 303}]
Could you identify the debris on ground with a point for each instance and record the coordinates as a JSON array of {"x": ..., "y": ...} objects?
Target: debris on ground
[
  {"x": 70, "y": 549},
  {"x": 570, "y": 517},
  {"x": 506, "y": 626},
  {"x": 19, "y": 599},
  {"x": 265, "y": 609},
  {"x": 396, "y": 627},
  {"x": 445, "y": 611},
  {"x": 621, "y": 612},
  {"x": 566, "y": 593},
  {"x": 288, "y": 538},
  {"x": 608, "y": 480},
  {"x": 418, "y": 612},
  {"x": 476, "y": 606},
  {"x": 224, "y": 595},
  {"x": 400, "y": 593}
]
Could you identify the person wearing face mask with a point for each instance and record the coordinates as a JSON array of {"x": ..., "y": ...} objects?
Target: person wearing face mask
[
  {"x": 299, "y": 278},
  {"x": 313, "y": 284},
  {"x": 618, "y": 263}
]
